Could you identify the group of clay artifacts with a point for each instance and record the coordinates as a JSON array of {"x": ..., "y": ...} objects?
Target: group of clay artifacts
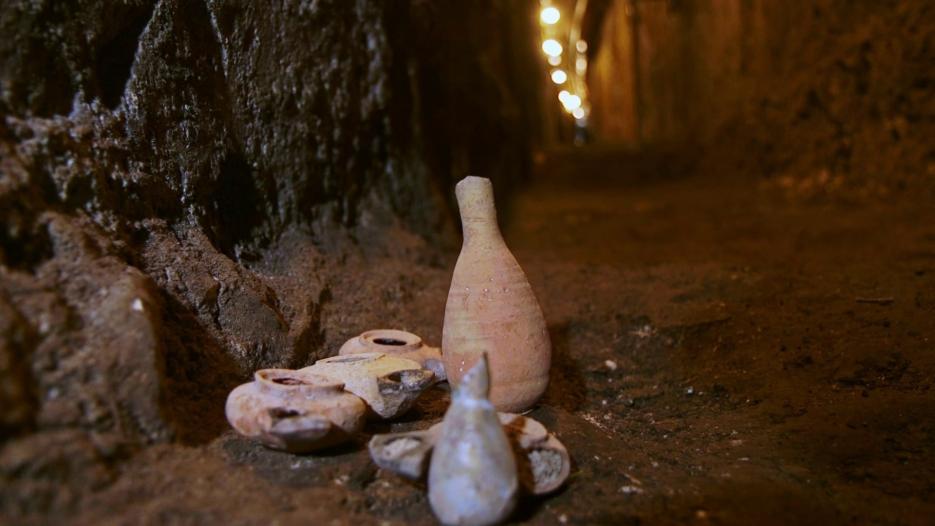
[{"x": 495, "y": 354}]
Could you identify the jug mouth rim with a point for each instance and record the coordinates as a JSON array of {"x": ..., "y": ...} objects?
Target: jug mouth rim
[
  {"x": 390, "y": 340},
  {"x": 292, "y": 381},
  {"x": 474, "y": 179}
]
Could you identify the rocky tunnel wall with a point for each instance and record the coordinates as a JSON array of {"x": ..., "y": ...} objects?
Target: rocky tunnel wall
[
  {"x": 179, "y": 180},
  {"x": 824, "y": 92}
]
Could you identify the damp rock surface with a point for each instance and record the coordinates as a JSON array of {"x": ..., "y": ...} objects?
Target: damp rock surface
[{"x": 186, "y": 186}]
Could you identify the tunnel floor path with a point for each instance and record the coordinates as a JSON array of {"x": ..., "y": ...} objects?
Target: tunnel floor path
[
  {"x": 724, "y": 353},
  {"x": 744, "y": 353}
]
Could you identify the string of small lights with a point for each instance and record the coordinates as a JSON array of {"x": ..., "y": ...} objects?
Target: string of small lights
[{"x": 568, "y": 64}]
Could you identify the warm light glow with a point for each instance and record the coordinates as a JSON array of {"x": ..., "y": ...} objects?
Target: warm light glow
[
  {"x": 560, "y": 72},
  {"x": 559, "y": 76},
  {"x": 571, "y": 102},
  {"x": 552, "y": 48},
  {"x": 549, "y": 15}
]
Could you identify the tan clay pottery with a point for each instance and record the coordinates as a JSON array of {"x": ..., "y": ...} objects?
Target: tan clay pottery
[
  {"x": 472, "y": 474},
  {"x": 405, "y": 454},
  {"x": 523, "y": 430},
  {"x": 397, "y": 343},
  {"x": 491, "y": 308},
  {"x": 543, "y": 463},
  {"x": 294, "y": 411},
  {"x": 387, "y": 384}
]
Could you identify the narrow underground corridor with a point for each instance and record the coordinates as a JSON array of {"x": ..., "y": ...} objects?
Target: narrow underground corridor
[
  {"x": 722, "y": 206},
  {"x": 741, "y": 357}
]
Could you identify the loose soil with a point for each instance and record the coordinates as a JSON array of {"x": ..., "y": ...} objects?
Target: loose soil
[{"x": 724, "y": 353}]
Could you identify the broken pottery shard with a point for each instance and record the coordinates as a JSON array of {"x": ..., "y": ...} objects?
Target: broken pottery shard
[
  {"x": 543, "y": 463},
  {"x": 547, "y": 466},
  {"x": 389, "y": 385},
  {"x": 491, "y": 308},
  {"x": 405, "y": 454},
  {"x": 523, "y": 430},
  {"x": 472, "y": 475},
  {"x": 397, "y": 343},
  {"x": 294, "y": 411}
]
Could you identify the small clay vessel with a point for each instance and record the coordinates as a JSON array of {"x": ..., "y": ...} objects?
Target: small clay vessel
[
  {"x": 397, "y": 343},
  {"x": 387, "y": 384},
  {"x": 542, "y": 462},
  {"x": 472, "y": 475},
  {"x": 294, "y": 411},
  {"x": 491, "y": 309}
]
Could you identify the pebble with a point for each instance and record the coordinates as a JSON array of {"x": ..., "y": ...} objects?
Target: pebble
[{"x": 643, "y": 332}]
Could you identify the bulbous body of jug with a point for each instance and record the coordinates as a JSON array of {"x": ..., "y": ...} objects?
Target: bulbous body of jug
[{"x": 491, "y": 309}]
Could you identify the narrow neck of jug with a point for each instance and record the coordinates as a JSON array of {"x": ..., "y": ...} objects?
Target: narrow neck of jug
[{"x": 476, "y": 204}]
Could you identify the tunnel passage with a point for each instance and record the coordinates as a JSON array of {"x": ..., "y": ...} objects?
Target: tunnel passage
[
  {"x": 827, "y": 93},
  {"x": 722, "y": 206}
]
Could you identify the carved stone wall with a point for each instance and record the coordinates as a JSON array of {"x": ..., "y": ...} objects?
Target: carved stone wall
[
  {"x": 815, "y": 93},
  {"x": 179, "y": 180}
]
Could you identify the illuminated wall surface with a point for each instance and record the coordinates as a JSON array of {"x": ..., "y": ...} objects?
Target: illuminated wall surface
[
  {"x": 663, "y": 68},
  {"x": 675, "y": 72}
]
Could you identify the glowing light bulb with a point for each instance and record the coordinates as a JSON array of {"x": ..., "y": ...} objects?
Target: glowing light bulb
[
  {"x": 563, "y": 96},
  {"x": 571, "y": 102},
  {"x": 554, "y": 61},
  {"x": 578, "y": 113},
  {"x": 559, "y": 76},
  {"x": 550, "y": 15},
  {"x": 581, "y": 64},
  {"x": 552, "y": 48},
  {"x": 581, "y": 46}
]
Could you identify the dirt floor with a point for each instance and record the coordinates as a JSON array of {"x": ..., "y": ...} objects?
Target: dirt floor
[{"x": 724, "y": 354}]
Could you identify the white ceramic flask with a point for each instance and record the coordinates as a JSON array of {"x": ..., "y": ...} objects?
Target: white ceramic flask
[{"x": 472, "y": 475}]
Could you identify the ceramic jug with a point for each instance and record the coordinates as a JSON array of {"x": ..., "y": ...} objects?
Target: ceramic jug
[{"x": 492, "y": 309}]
